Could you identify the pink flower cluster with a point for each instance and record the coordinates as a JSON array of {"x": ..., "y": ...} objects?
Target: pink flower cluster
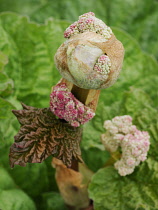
[
  {"x": 88, "y": 23},
  {"x": 103, "y": 65},
  {"x": 65, "y": 106},
  {"x": 134, "y": 143}
]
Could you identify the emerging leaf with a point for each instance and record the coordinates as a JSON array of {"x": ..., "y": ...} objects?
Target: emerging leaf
[{"x": 42, "y": 135}]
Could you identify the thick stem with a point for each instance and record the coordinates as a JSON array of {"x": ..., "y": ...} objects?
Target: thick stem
[
  {"x": 80, "y": 93},
  {"x": 90, "y": 99},
  {"x": 74, "y": 165}
]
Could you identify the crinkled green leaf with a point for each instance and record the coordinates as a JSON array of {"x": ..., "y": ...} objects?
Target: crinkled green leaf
[
  {"x": 111, "y": 191},
  {"x": 6, "y": 182},
  {"x": 5, "y": 108},
  {"x": 3, "y": 60},
  {"x": 53, "y": 201},
  {"x": 139, "y": 105},
  {"x": 6, "y": 85},
  {"x": 15, "y": 199},
  {"x": 133, "y": 102},
  {"x": 30, "y": 49},
  {"x": 8, "y": 125}
]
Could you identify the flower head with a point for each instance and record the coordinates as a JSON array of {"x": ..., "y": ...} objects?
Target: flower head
[
  {"x": 103, "y": 65},
  {"x": 133, "y": 142},
  {"x": 64, "y": 105},
  {"x": 88, "y": 22}
]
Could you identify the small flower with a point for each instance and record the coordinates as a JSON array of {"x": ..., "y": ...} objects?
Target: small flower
[
  {"x": 134, "y": 143},
  {"x": 103, "y": 65},
  {"x": 108, "y": 143},
  {"x": 88, "y": 22},
  {"x": 87, "y": 14},
  {"x": 130, "y": 161}
]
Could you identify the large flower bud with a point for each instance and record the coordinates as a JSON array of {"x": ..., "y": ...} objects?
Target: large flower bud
[{"x": 92, "y": 57}]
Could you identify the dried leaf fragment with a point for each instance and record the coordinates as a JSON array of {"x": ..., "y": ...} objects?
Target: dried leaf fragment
[{"x": 71, "y": 186}]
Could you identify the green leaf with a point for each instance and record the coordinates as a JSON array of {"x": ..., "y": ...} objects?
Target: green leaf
[
  {"x": 51, "y": 175},
  {"x": 53, "y": 201},
  {"x": 139, "y": 105},
  {"x": 11, "y": 198},
  {"x": 133, "y": 102},
  {"x": 6, "y": 85},
  {"x": 7, "y": 123},
  {"x": 5, "y": 108},
  {"x": 32, "y": 178},
  {"x": 95, "y": 158},
  {"x": 30, "y": 49},
  {"x": 6, "y": 182},
  {"x": 3, "y": 60},
  {"x": 15, "y": 199},
  {"x": 111, "y": 191},
  {"x": 8, "y": 127}
]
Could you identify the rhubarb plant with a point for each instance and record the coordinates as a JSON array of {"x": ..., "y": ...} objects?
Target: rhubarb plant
[{"x": 27, "y": 74}]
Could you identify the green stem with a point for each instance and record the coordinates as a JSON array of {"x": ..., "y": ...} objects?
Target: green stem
[{"x": 114, "y": 157}]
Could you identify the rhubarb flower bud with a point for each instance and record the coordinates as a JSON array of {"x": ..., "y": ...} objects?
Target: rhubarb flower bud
[
  {"x": 92, "y": 57},
  {"x": 134, "y": 143},
  {"x": 65, "y": 106}
]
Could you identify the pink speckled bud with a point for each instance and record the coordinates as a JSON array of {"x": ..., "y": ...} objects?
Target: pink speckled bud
[
  {"x": 92, "y": 57},
  {"x": 65, "y": 106}
]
